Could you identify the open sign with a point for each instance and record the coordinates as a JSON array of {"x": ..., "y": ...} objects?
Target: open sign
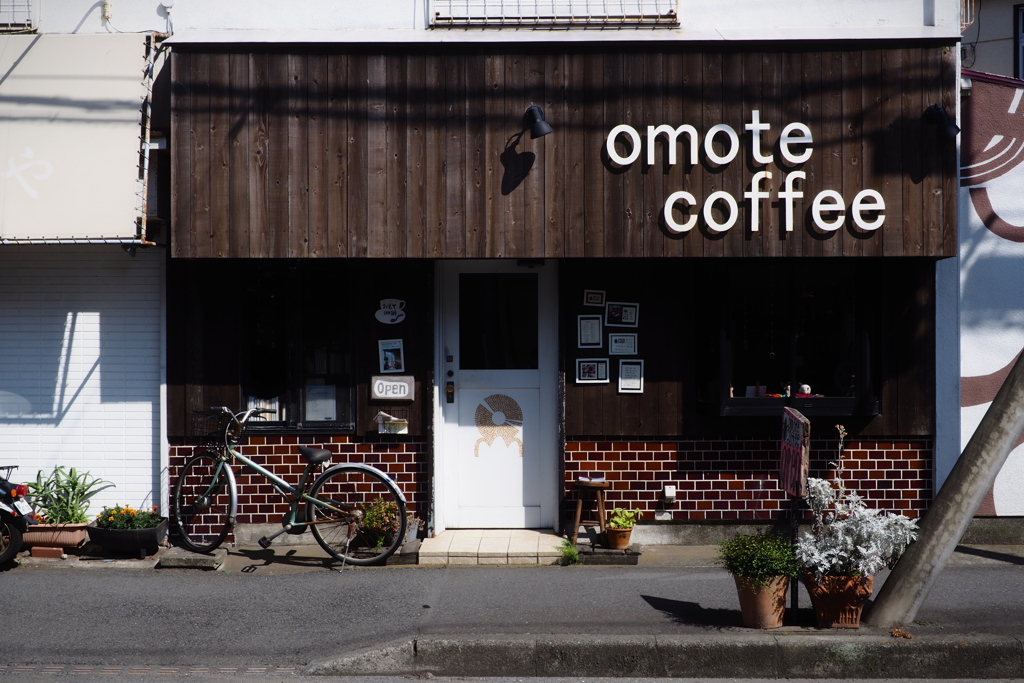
[{"x": 393, "y": 387}]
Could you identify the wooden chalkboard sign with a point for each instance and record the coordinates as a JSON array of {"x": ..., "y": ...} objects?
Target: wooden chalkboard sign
[{"x": 795, "y": 461}]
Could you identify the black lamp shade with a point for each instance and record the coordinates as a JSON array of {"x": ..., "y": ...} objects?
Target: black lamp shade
[{"x": 534, "y": 120}]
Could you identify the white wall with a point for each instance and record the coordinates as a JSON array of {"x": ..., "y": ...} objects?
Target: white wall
[
  {"x": 80, "y": 365},
  {"x": 700, "y": 19}
]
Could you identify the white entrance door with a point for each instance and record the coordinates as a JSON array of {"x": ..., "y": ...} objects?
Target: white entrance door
[{"x": 497, "y": 456}]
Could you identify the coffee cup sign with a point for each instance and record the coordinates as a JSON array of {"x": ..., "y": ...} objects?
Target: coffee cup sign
[{"x": 391, "y": 312}]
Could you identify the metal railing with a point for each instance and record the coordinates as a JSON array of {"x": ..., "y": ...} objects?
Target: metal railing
[
  {"x": 966, "y": 14},
  {"x": 554, "y": 13},
  {"x": 15, "y": 16}
]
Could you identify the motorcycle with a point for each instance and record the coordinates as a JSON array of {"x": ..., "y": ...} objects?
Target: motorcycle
[{"x": 15, "y": 513}]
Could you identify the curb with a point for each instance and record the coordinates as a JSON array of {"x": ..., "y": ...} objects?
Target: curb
[{"x": 782, "y": 655}]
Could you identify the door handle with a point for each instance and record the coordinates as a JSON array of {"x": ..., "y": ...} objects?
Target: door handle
[{"x": 449, "y": 392}]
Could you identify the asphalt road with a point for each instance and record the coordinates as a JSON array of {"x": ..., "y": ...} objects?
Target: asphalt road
[{"x": 191, "y": 618}]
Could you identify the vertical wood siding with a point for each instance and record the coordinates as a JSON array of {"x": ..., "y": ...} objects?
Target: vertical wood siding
[{"x": 315, "y": 152}]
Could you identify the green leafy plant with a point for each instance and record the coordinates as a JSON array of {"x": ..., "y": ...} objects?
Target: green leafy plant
[
  {"x": 63, "y": 497},
  {"x": 570, "y": 553},
  {"x": 757, "y": 558},
  {"x": 621, "y": 518},
  {"x": 127, "y": 517}
]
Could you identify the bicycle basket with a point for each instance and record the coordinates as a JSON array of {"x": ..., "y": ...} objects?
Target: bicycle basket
[{"x": 210, "y": 428}]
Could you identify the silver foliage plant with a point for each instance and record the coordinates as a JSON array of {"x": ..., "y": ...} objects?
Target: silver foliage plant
[{"x": 847, "y": 537}]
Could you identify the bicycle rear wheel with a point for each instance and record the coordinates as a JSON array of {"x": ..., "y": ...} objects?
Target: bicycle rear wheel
[
  {"x": 204, "y": 500},
  {"x": 370, "y": 524}
]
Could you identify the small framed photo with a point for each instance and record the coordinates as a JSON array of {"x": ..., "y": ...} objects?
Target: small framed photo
[
  {"x": 622, "y": 344},
  {"x": 593, "y": 297},
  {"x": 392, "y": 355},
  {"x": 588, "y": 331},
  {"x": 592, "y": 371},
  {"x": 620, "y": 314},
  {"x": 631, "y": 376}
]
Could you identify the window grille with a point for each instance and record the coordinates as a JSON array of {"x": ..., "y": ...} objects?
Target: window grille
[
  {"x": 966, "y": 14},
  {"x": 555, "y": 13},
  {"x": 15, "y": 16}
]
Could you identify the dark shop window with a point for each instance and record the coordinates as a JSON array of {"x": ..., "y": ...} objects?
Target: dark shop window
[
  {"x": 801, "y": 336},
  {"x": 298, "y": 349},
  {"x": 262, "y": 333}
]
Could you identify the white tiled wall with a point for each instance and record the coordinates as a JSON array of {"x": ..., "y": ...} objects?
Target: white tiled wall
[{"x": 80, "y": 365}]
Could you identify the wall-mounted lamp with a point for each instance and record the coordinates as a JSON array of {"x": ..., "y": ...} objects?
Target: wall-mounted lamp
[
  {"x": 534, "y": 120},
  {"x": 938, "y": 116}
]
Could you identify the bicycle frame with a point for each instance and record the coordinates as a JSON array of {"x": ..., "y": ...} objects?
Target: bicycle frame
[{"x": 293, "y": 494}]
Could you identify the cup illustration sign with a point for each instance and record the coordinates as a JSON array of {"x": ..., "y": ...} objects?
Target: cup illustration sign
[{"x": 391, "y": 311}]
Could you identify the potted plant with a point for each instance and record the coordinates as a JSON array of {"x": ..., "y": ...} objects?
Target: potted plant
[
  {"x": 619, "y": 527},
  {"x": 762, "y": 566},
  {"x": 126, "y": 529},
  {"x": 382, "y": 519},
  {"x": 848, "y": 544},
  {"x": 61, "y": 501}
]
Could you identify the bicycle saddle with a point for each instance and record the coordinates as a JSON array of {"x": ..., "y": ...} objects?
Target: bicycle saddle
[{"x": 315, "y": 456}]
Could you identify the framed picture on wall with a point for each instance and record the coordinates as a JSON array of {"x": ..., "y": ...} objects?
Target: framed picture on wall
[
  {"x": 593, "y": 297},
  {"x": 622, "y": 344},
  {"x": 588, "y": 331},
  {"x": 631, "y": 376},
  {"x": 392, "y": 355},
  {"x": 592, "y": 371},
  {"x": 621, "y": 314}
]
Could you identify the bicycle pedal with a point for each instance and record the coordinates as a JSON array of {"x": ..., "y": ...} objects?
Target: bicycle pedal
[{"x": 265, "y": 542}]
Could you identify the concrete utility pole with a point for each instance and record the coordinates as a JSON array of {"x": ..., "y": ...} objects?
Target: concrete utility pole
[{"x": 946, "y": 520}]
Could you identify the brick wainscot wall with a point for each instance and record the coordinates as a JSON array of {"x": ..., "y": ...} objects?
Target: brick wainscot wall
[
  {"x": 725, "y": 480},
  {"x": 259, "y": 503}
]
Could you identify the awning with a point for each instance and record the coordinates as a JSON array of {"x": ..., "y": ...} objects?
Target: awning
[{"x": 71, "y": 131}]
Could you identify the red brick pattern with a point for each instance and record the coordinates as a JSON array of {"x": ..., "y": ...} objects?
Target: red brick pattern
[
  {"x": 259, "y": 503},
  {"x": 738, "y": 479}
]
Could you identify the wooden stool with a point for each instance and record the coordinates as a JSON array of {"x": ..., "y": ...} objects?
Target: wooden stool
[{"x": 597, "y": 487}]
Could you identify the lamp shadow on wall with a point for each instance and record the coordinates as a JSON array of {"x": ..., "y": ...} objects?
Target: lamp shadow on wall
[{"x": 517, "y": 164}]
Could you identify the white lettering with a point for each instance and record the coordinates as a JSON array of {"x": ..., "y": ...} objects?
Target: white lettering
[
  {"x": 673, "y": 136},
  {"x": 788, "y": 195},
  {"x": 721, "y": 146},
  {"x": 734, "y": 211},
  {"x": 788, "y": 139},
  {"x": 756, "y": 128},
  {"x": 822, "y": 206},
  {"x": 670, "y": 220},
  {"x": 734, "y": 144},
  {"x": 868, "y": 200},
  {"x": 755, "y": 195},
  {"x": 634, "y": 138}
]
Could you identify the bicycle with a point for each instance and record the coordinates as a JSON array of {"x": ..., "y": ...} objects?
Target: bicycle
[{"x": 356, "y": 511}]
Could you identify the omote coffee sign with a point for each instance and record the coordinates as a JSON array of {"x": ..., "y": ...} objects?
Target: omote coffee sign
[{"x": 721, "y": 146}]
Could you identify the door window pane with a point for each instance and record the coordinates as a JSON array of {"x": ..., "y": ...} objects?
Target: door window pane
[{"x": 498, "y": 321}]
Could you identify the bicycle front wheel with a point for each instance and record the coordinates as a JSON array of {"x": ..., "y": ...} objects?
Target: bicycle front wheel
[
  {"x": 358, "y": 515},
  {"x": 203, "y": 502}
]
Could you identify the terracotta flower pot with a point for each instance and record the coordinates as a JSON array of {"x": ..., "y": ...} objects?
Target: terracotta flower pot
[
  {"x": 762, "y": 606},
  {"x": 838, "y": 600},
  {"x": 54, "y": 535},
  {"x": 618, "y": 539}
]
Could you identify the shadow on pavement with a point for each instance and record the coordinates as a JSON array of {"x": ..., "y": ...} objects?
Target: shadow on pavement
[
  {"x": 693, "y": 614},
  {"x": 990, "y": 554}
]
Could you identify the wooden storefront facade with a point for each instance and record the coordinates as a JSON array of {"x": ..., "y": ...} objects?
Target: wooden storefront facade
[{"x": 790, "y": 236}]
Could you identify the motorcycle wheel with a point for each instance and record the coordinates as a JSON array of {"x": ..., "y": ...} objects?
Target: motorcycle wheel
[{"x": 10, "y": 540}]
